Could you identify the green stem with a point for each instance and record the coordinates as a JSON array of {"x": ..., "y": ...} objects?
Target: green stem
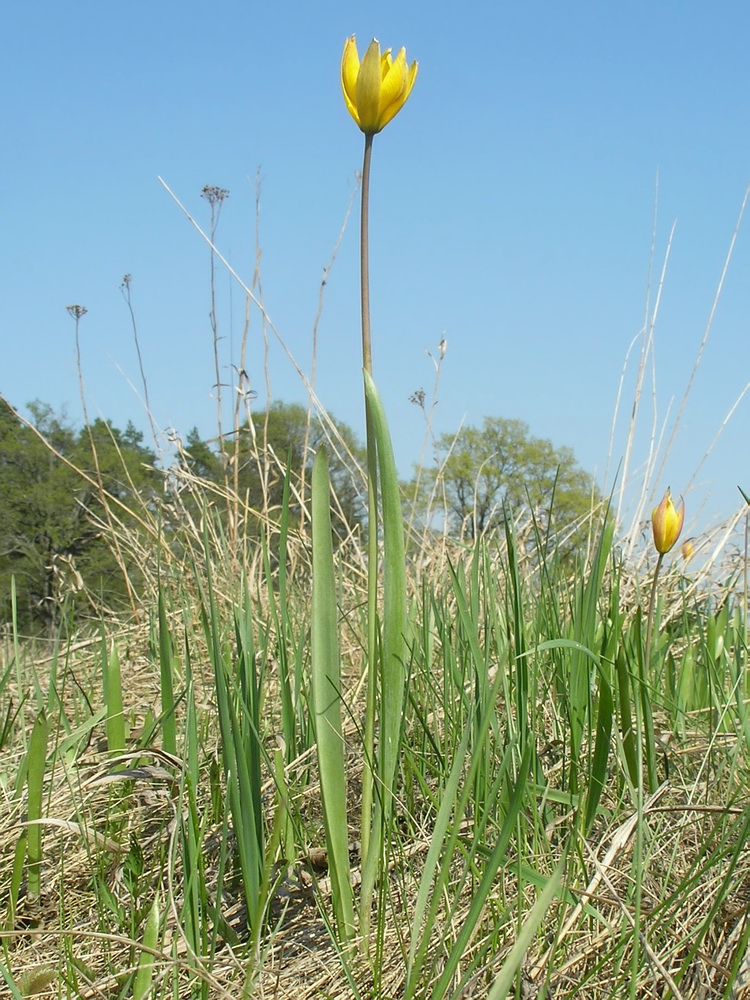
[
  {"x": 646, "y": 687},
  {"x": 645, "y": 677},
  {"x": 650, "y": 618},
  {"x": 368, "y": 775},
  {"x": 372, "y": 639},
  {"x": 364, "y": 258},
  {"x": 747, "y": 535}
]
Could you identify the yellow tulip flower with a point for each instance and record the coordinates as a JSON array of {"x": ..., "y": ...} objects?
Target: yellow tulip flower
[
  {"x": 666, "y": 522},
  {"x": 376, "y": 89},
  {"x": 688, "y": 550}
]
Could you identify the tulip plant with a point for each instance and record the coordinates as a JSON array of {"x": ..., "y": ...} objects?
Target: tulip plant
[
  {"x": 666, "y": 525},
  {"x": 374, "y": 90}
]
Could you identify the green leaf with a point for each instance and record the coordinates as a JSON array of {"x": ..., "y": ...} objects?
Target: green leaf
[
  {"x": 326, "y": 690},
  {"x": 37, "y": 758},
  {"x": 166, "y": 668},
  {"x": 625, "y": 701},
  {"x": 145, "y": 973},
  {"x": 598, "y": 775},
  {"x": 479, "y": 898},
  {"x": 10, "y": 983},
  {"x": 393, "y": 638},
  {"x": 504, "y": 982},
  {"x": 393, "y": 654},
  {"x": 115, "y": 724}
]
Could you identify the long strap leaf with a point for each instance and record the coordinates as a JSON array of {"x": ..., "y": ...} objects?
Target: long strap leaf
[
  {"x": 393, "y": 643},
  {"x": 326, "y": 690},
  {"x": 394, "y": 593}
]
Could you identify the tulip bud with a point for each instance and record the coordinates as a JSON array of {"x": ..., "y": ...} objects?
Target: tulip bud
[
  {"x": 666, "y": 522},
  {"x": 377, "y": 89}
]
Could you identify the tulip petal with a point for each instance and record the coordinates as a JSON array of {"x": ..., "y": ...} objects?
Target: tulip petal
[
  {"x": 368, "y": 89},
  {"x": 393, "y": 81},
  {"x": 680, "y": 519},
  {"x": 413, "y": 70},
  {"x": 396, "y": 88},
  {"x": 349, "y": 74}
]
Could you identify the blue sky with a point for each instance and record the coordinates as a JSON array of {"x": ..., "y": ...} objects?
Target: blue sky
[{"x": 513, "y": 205}]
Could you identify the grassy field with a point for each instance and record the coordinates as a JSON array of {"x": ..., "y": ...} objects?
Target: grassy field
[{"x": 569, "y": 814}]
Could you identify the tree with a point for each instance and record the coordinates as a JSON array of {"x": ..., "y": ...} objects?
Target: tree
[
  {"x": 286, "y": 432},
  {"x": 280, "y": 438},
  {"x": 200, "y": 459},
  {"x": 484, "y": 471},
  {"x": 51, "y": 539}
]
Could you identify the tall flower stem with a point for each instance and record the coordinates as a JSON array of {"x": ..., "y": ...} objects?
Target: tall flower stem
[
  {"x": 650, "y": 616},
  {"x": 364, "y": 257},
  {"x": 372, "y": 517},
  {"x": 386, "y": 652},
  {"x": 646, "y": 686}
]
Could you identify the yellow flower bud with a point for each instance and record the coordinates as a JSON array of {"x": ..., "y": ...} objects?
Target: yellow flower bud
[
  {"x": 666, "y": 521},
  {"x": 376, "y": 89}
]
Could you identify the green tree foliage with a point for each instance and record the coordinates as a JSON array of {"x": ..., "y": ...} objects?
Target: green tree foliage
[
  {"x": 51, "y": 536},
  {"x": 482, "y": 471},
  {"x": 283, "y": 437},
  {"x": 56, "y": 537},
  {"x": 200, "y": 459}
]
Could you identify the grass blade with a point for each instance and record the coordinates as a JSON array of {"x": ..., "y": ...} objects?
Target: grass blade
[
  {"x": 598, "y": 775},
  {"x": 239, "y": 751},
  {"x": 166, "y": 670},
  {"x": 484, "y": 888},
  {"x": 504, "y": 982},
  {"x": 326, "y": 689},
  {"x": 37, "y": 759},
  {"x": 145, "y": 973},
  {"x": 115, "y": 723}
]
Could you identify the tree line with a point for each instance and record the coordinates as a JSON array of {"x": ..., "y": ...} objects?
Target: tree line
[{"x": 66, "y": 493}]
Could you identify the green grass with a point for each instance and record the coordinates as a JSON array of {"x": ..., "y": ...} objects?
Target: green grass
[{"x": 559, "y": 819}]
